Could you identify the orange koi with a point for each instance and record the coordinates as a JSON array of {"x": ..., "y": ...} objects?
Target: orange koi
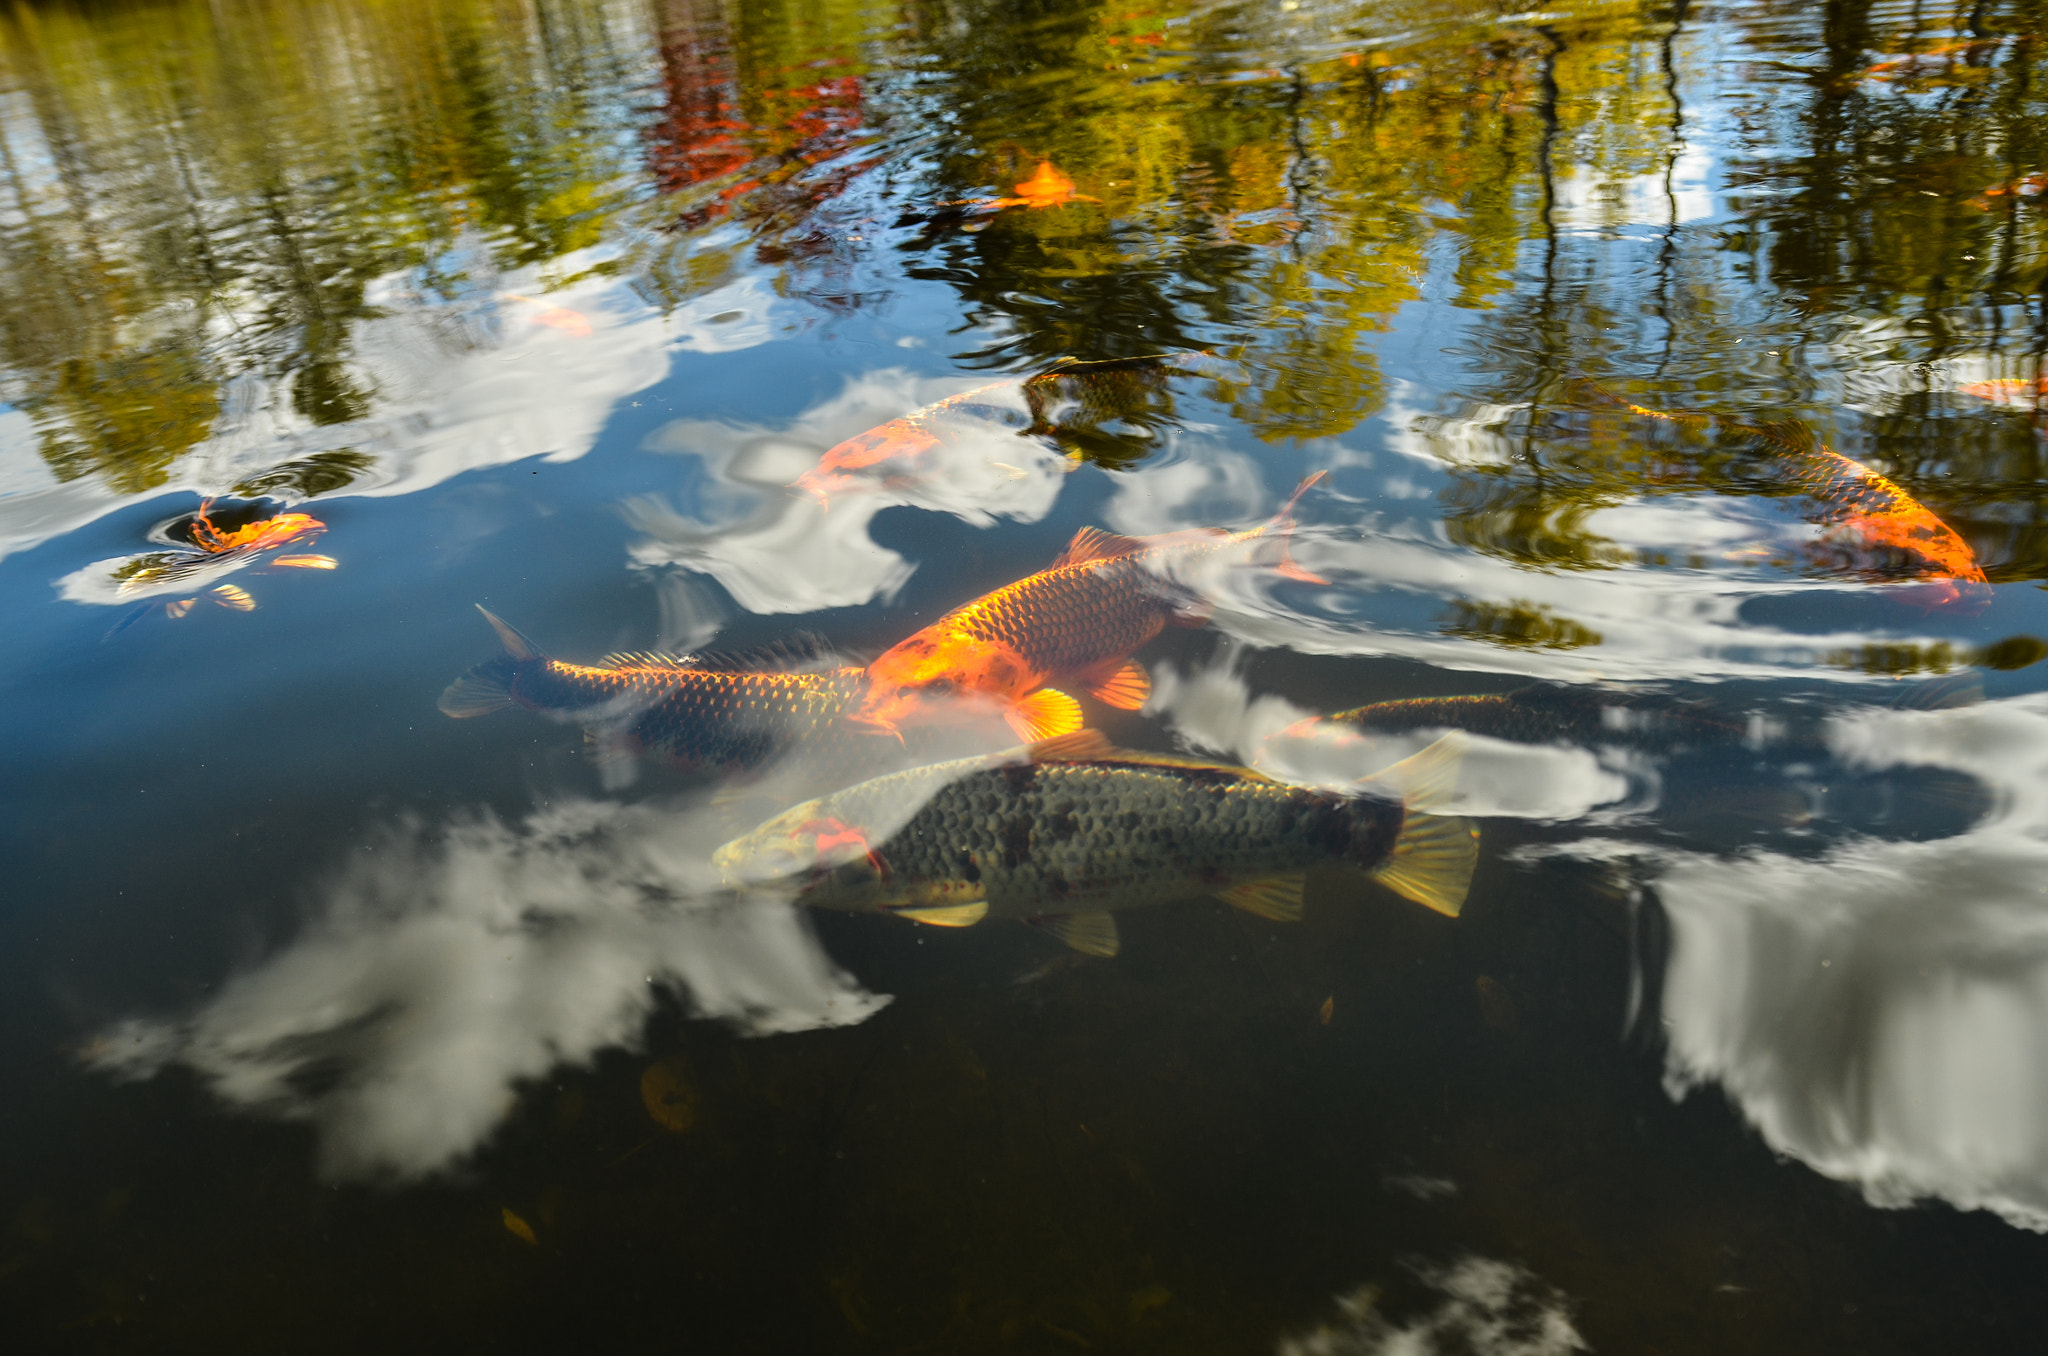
[
  {"x": 261, "y": 535},
  {"x": 1869, "y": 511},
  {"x": 212, "y": 551},
  {"x": 904, "y": 441},
  {"x": 1076, "y": 622},
  {"x": 2008, "y": 391},
  {"x": 556, "y": 317},
  {"x": 2031, "y": 186},
  {"x": 1046, "y": 187}
]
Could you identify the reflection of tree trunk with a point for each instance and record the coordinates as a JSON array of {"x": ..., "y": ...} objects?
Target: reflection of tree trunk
[
  {"x": 1667, "y": 253},
  {"x": 1546, "y": 317}
]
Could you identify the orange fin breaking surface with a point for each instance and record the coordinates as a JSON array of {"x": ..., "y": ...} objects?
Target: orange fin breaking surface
[
  {"x": 1044, "y": 714},
  {"x": 1126, "y": 689}
]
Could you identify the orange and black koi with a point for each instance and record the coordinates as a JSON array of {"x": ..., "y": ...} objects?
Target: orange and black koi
[
  {"x": 706, "y": 713},
  {"x": 1876, "y": 518},
  {"x": 1077, "y": 621},
  {"x": 213, "y": 551}
]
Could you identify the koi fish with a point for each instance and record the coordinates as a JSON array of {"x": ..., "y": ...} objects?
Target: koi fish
[
  {"x": 894, "y": 453},
  {"x": 1065, "y": 831},
  {"x": 1076, "y": 621},
  {"x": 1046, "y": 187},
  {"x": 556, "y": 317},
  {"x": 1877, "y": 524},
  {"x": 714, "y": 713},
  {"x": 213, "y": 552},
  {"x": 2009, "y": 391},
  {"x": 1540, "y": 714}
]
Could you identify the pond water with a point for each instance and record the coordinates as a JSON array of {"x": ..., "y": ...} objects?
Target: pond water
[{"x": 1675, "y": 374}]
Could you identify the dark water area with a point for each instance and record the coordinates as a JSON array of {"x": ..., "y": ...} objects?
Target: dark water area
[{"x": 1676, "y": 377}]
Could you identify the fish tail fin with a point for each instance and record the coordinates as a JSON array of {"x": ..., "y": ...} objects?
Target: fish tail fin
[
  {"x": 1945, "y": 693},
  {"x": 1284, "y": 524},
  {"x": 1593, "y": 393},
  {"x": 1432, "y": 861},
  {"x": 516, "y": 645},
  {"x": 488, "y": 687}
]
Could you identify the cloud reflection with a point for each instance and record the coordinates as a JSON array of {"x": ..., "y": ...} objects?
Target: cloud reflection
[
  {"x": 1881, "y": 1012},
  {"x": 778, "y": 552},
  {"x": 445, "y": 969},
  {"x": 1646, "y": 623}
]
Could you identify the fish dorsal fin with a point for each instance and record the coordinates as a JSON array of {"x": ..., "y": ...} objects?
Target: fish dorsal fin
[
  {"x": 1092, "y": 543},
  {"x": 1045, "y": 714},
  {"x": 948, "y": 915},
  {"x": 801, "y": 652},
  {"x": 1432, "y": 861},
  {"x": 1426, "y": 781},
  {"x": 1077, "y": 746},
  {"x": 1278, "y": 899},
  {"x": 644, "y": 659},
  {"x": 516, "y": 645},
  {"x": 1126, "y": 688},
  {"x": 1091, "y": 934}
]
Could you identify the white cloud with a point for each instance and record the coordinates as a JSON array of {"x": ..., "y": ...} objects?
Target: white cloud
[
  {"x": 1488, "y": 1308},
  {"x": 445, "y": 969},
  {"x": 1881, "y": 1012}
]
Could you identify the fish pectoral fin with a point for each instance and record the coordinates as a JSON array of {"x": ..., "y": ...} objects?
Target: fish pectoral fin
[
  {"x": 516, "y": 645},
  {"x": 1092, "y": 543},
  {"x": 1044, "y": 714},
  {"x": 612, "y": 755},
  {"x": 1126, "y": 687},
  {"x": 305, "y": 562},
  {"x": 1277, "y": 898},
  {"x": 1426, "y": 781},
  {"x": 1091, "y": 934},
  {"x": 1432, "y": 861},
  {"x": 1077, "y": 746},
  {"x": 948, "y": 915}
]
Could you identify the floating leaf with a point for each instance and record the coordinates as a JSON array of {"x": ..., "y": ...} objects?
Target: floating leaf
[
  {"x": 519, "y": 1228},
  {"x": 667, "y": 1095}
]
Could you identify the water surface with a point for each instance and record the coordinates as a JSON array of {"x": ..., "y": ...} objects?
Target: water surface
[{"x": 329, "y": 1020}]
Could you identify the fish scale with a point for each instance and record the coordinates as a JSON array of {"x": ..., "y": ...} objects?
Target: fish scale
[{"x": 1072, "y": 829}]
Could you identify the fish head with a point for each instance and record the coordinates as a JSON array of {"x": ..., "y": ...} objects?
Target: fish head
[
  {"x": 830, "y": 859},
  {"x": 935, "y": 672}
]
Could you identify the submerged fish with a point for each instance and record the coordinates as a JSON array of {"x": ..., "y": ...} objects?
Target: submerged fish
[
  {"x": 1076, "y": 621},
  {"x": 895, "y": 454},
  {"x": 1544, "y": 713},
  {"x": 1064, "y": 832},
  {"x": 706, "y": 712},
  {"x": 1879, "y": 526}
]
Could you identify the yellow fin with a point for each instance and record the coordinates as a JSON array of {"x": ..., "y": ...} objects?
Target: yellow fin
[
  {"x": 1432, "y": 861},
  {"x": 305, "y": 562},
  {"x": 1078, "y": 746},
  {"x": 1044, "y": 714},
  {"x": 948, "y": 915},
  {"x": 1426, "y": 781},
  {"x": 1126, "y": 689},
  {"x": 1092, "y": 543},
  {"x": 1278, "y": 898},
  {"x": 1091, "y": 934},
  {"x": 233, "y": 597}
]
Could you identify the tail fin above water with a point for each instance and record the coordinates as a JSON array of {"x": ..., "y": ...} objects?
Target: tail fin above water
[
  {"x": 488, "y": 687},
  {"x": 1284, "y": 524}
]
